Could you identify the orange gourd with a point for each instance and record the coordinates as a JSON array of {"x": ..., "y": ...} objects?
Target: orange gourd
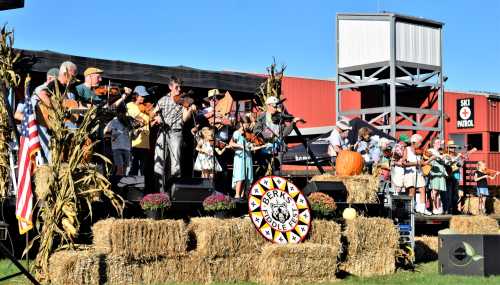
[{"x": 349, "y": 163}]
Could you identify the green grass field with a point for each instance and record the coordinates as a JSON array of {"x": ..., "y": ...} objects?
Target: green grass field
[{"x": 425, "y": 274}]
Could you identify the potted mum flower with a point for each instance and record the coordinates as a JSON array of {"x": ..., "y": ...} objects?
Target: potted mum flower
[
  {"x": 155, "y": 204},
  {"x": 219, "y": 204},
  {"x": 322, "y": 205}
]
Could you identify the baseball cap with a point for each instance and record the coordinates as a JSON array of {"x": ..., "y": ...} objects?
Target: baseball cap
[
  {"x": 54, "y": 72},
  {"x": 272, "y": 100},
  {"x": 404, "y": 138},
  {"x": 92, "y": 70},
  {"x": 416, "y": 138},
  {"x": 141, "y": 91},
  {"x": 343, "y": 125}
]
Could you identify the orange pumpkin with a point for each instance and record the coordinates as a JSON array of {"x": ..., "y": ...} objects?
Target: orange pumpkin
[{"x": 349, "y": 163}]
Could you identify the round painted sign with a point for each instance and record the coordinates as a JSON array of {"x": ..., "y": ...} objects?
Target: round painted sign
[{"x": 279, "y": 210}]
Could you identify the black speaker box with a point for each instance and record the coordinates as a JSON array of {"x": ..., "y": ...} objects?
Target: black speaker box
[
  {"x": 334, "y": 189},
  {"x": 191, "y": 190},
  {"x": 469, "y": 254}
]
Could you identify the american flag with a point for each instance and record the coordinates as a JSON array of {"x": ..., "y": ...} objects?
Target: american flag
[{"x": 28, "y": 146}]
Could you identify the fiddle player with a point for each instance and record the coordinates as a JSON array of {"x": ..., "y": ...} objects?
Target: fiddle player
[
  {"x": 140, "y": 144},
  {"x": 171, "y": 116},
  {"x": 269, "y": 128},
  {"x": 86, "y": 92}
]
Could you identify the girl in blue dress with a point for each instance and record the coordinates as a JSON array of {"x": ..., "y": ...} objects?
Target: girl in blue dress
[{"x": 243, "y": 161}]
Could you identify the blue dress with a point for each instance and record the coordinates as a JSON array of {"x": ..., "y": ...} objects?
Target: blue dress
[{"x": 242, "y": 163}]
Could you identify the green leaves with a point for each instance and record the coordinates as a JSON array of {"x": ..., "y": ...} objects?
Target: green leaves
[{"x": 470, "y": 251}]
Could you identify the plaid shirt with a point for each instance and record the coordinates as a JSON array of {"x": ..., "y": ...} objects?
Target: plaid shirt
[{"x": 172, "y": 112}]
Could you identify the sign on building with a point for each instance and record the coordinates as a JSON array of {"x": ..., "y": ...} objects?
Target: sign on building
[{"x": 465, "y": 113}]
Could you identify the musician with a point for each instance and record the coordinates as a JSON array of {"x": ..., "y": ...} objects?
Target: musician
[
  {"x": 337, "y": 138},
  {"x": 171, "y": 116},
  {"x": 86, "y": 92},
  {"x": 140, "y": 144},
  {"x": 481, "y": 178},
  {"x": 437, "y": 176},
  {"x": 92, "y": 79},
  {"x": 414, "y": 177},
  {"x": 65, "y": 83},
  {"x": 397, "y": 163},
  {"x": 454, "y": 163},
  {"x": 43, "y": 157}
]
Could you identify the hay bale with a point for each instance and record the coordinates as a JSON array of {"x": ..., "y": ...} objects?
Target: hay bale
[
  {"x": 141, "y": 238},
  {"x": 120, "y": 270},
  {"x": 360, "y": 188},
  {"x": 471, "y": 206},
  {"x": 75, "y": 267},
  {"x": 426, "y": 248},
  {"x": 473, "y": 225},
  {"x": 372, "y": 245},
  {"x": 325, "y": 232},
  {"x": 225, "y": 237},
  {"x": 496, "y": 206},
  {"x": 297, "y": 263}
]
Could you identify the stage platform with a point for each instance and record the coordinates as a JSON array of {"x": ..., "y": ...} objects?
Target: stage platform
[{"x": 441, "y": 219}]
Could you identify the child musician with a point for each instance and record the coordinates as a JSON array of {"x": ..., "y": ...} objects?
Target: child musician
[
  {"x": 205, "y": 160},
  {"x": 480, "y": 177}
]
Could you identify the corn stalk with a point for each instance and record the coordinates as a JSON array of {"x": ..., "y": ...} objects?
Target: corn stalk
[
  {"x": 74, "y": 184},
  {"x": 9, "y": 60},
  {"x": 272, "y": 85}
]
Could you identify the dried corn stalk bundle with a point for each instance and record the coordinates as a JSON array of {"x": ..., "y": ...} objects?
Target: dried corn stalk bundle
[
  {"x": 272, "y": 85},
  {"x": 74, "y": 187},
  {"x": 9, "y": 59}
]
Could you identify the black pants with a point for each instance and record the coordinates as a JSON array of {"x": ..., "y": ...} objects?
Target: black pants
[{"x": 140, "y": 158}]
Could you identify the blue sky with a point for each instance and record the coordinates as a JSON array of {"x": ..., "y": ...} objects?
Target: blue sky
[{"x": 244, "y": 35}]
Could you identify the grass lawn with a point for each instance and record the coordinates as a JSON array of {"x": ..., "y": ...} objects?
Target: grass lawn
[{"x": 426, "y": 274}]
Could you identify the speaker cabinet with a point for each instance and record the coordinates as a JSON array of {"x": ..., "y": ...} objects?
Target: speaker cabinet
[
  {"x": 191, "y": 190},
  {"x": 334, "y": 189},
  {"x": 469, "y": 254}
]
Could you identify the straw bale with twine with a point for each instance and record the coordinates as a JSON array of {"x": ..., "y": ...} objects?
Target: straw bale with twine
[
  {"x": 225, "y": 237},
  {"x": 140, "y": 238},
  {"x": 297, "y": 263},
  {"x": 75, "y": 267},
  {"x": 473, "y": 225},
  {"x": 360, "y": 188},
  {"x": 371, "y": 246}
]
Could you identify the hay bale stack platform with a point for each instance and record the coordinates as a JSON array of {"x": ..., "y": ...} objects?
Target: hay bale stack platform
[
  {"x": 297, "y": 263},
  {"x": 473, "y": 225},
  {"x": 371, "y": 248},
  {"x": 210, "y": 250}
]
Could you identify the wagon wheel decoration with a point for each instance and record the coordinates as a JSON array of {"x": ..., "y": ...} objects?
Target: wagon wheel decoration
[{"x": 279, "y": 210}]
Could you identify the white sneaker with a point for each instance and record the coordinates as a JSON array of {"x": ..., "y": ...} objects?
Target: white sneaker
[
  {"x": 419, "y": 209},
  {"x": 435, "y": 211},
  {"x": 426, "y": 212},
  {"x": 440, "y": 211}
]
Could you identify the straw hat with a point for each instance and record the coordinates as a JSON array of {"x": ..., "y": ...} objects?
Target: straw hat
[{"x": 214, "y": 92}]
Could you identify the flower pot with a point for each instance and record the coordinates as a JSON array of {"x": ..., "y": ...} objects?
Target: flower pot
[{"x": 154, "y": 214}]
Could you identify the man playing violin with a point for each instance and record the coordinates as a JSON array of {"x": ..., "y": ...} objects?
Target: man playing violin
[
  {"x": 87, "y": 95},
  {"x": 92, "y": 79},
  {"x": 171, "y": 116}
]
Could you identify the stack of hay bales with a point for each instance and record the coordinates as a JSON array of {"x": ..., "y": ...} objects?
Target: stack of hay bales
[
  {"x": 297, "y": 263},
  {"x": 496, "y": 206},
  {"x": 372, "y": 245},
  {"x": 426, "y": 248},
  {"x": 473, "y": 225},
  {"x": 360, "y": 188}
]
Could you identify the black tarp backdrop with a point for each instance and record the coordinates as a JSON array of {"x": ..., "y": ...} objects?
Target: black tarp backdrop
[{"x": 298, "y": 154}]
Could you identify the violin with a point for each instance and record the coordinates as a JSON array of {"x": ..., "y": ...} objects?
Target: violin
[
  {"x": 253, "y": 138},
  {"x": 491, "y": 172},
  {"x": 108, "y": 90},
  {"x": 147, "y": 108},
  {"x": 184, "y": 99}
]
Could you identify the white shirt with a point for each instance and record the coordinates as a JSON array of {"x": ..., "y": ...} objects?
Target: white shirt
[
  {"x": 335, "y": 140},
  {"x": 120, "y": 138}
]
